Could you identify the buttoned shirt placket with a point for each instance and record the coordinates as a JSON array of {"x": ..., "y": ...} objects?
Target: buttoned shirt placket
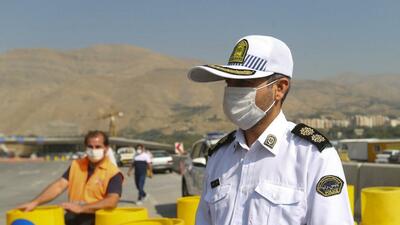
[
  {"x": 246, "y": 173},
  {"x": 245, "y": 177}
]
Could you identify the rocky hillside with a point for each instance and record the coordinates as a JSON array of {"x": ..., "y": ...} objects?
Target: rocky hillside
[{"x": 50, "y": 92}]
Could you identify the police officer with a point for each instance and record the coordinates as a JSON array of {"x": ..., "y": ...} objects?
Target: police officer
[{"x": 269, "y": 171}]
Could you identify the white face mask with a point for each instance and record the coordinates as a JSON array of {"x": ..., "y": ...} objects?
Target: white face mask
[
  {"x": 240, "y": 106},
  {"x": 95, "y": 155}
]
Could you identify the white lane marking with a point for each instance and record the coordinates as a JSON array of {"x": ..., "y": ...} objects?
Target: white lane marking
[
  {"x": 37, "y": 183},
  {"x": 28, "y": 172},
  {"x": 152, "y": 200}
]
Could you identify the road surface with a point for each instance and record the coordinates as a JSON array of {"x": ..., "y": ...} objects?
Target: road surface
[{"x": 22, "y": 181}]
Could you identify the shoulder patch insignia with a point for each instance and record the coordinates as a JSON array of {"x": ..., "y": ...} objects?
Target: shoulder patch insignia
[
  {"x": 329, "y": 186},
  {"x": 312, "y": 135},
  {"x": 225, "y": 140}
]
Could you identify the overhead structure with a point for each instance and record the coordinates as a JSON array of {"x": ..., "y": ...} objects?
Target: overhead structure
[{"x": 112, "y": 116}]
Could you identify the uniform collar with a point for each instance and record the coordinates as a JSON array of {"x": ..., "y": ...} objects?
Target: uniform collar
[
  {"x": 270, "y": 139},
  {"x": 241, "y": 140}
]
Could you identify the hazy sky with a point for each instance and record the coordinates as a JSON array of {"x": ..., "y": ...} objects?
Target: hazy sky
[{"x": 326, "y": 37}]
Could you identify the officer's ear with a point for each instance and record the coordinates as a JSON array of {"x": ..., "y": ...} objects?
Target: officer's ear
[{"x": 282, "y": 88}]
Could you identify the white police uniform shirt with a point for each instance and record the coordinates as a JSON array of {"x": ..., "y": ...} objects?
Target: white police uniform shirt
[{"x": 275, "y": 182}]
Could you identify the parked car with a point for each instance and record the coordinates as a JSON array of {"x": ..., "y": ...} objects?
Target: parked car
[
  {"x": 195, "y": 164},
  {"x": 162, "y": 161},
  {"x": 3, "y": 154},
  {"x": 388, "y": 156},
  {"x": 125, "y": 156}
]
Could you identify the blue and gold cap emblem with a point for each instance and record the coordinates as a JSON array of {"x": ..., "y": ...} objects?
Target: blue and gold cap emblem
[{"x": 239, "y": 52}]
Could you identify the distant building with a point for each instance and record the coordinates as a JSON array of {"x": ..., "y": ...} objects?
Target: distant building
[
  {"x": 322, "y": 123},
  {"x": 394, "y": 122},
  {"x": 356, "y": 121},
  {"x": 371, "y": 121}
]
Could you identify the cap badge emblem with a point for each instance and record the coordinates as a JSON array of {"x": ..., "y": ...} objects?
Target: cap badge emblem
[{"x": 239, "y": 52}]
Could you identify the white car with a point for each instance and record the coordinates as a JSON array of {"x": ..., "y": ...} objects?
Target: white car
[
  {"x": 161, "y": 161},
  {"x": 195, "y": 164},
  {"x": 125, "y": 155}
]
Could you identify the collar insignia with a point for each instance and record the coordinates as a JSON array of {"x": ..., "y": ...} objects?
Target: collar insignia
[{"x": 270, "y": 141}]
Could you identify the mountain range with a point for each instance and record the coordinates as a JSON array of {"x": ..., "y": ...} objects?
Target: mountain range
[{"x": 58, "y": 92}]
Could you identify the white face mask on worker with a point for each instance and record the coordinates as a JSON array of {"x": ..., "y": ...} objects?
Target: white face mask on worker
[
  {"x": 95, "y": 155},
  {"x": 240, "y": 106}
]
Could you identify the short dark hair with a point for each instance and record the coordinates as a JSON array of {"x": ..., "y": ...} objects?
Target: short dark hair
[
  {"x": 140, "y": 145},
  {"x": 277, "y": 76},
  {"x": 96, "y": 133}
]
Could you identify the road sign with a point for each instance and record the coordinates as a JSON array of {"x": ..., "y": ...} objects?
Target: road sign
[{"x": 179, "y": 148}]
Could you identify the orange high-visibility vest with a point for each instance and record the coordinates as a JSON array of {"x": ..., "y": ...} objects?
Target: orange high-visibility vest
[{"x": 82, "y": 190}]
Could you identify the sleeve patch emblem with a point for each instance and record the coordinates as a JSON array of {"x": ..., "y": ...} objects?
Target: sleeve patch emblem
[{"x": 329, "y": 186}]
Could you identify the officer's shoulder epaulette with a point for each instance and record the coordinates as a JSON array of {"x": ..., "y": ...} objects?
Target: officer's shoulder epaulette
[
  {"x": 223, "y": 141},
  {"x": 312, "y": 135}
]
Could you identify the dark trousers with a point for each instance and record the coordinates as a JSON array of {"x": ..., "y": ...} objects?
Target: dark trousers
[
  {"x": 79, "y": 219},
  {"x": 140, "y": 178}
]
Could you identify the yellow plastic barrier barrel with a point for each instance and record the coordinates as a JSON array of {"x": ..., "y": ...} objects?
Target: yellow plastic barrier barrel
[
  {"x": 120, "y": 215},
  {"x": 380, "y": 206},
  {"x": 176, "y": 221},
  {"x": 186, "y": 209},
  {"x": 158, "y": 221},
  {"x": 42, "y": 215},
  {"x": 350, "y": 190}
]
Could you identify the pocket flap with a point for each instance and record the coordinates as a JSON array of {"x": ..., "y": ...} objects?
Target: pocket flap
[
  {"x": 279, "y": 194},
  {"x": 218, "y": 193}
]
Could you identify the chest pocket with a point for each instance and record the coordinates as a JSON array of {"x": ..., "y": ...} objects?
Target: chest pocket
[
  {"x": 217, "y": 200},
  {"x": 277, "y": 204}
]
